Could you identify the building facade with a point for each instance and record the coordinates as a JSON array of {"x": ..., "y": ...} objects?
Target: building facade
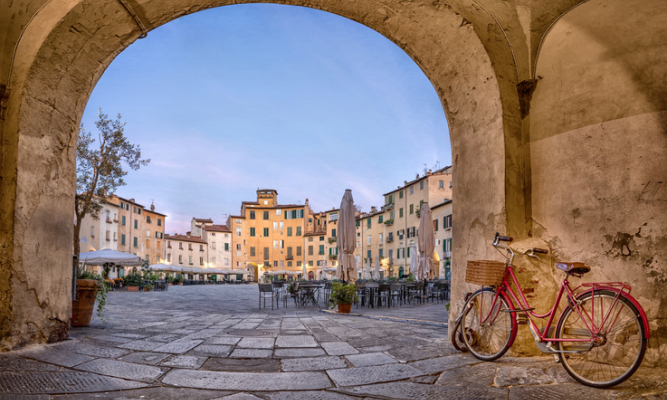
[
  {"x": 186, "y": 251},
  {"x": 442, "y": 225}
]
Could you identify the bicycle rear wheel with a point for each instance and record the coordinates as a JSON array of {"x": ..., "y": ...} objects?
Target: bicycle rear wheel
[
  {"x": 617, "y": 354},
  {"x": 488, "y": 329}
]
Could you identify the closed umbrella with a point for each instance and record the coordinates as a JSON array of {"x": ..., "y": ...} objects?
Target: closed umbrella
[
  {"x": 324, "y": 265},
  {"x": 414, "y": 260},
  {"x": 426, "y": 243},
  {"x": 347, "y": 232},
  {"x": 304, "y": 273},
  {"x": 367, "y": 270},
  {"x": 377, "y": 268}
]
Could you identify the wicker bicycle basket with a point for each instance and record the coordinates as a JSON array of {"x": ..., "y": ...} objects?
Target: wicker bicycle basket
[{"x": 485, "y": 272}]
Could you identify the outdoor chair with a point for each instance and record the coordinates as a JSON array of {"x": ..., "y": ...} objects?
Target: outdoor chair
[
  {"x": 383, "y": 294},
  {"x": 395, "y": 292},
  {"x": 416, "y": 292},
  {"x": 362, "y": 293},
  {"x": 266, "y": 292},
  {"x": 294, "y": 295}
]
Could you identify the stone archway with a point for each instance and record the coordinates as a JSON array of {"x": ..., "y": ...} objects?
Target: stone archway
[
  {"x": 68, "y": 45},
  {"x": 555, "y": 109}
]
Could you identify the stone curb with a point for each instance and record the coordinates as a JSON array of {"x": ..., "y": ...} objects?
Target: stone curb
[{"x": 382, "y": 318}]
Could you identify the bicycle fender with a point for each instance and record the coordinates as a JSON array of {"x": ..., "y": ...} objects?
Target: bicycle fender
[{"x": 642, "y": 313}]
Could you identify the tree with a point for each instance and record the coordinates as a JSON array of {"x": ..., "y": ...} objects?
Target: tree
[{"x": 99, "y": 169}]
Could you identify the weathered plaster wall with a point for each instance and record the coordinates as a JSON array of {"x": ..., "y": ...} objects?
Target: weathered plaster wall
[
  {"x": 597, "y": 142},
  {"x": 61, "y": 57}
]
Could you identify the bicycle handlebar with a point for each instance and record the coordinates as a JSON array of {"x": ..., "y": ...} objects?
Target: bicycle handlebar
[
  {"x": 499, "y": 238},
  {"x": 541, "y": 251}
]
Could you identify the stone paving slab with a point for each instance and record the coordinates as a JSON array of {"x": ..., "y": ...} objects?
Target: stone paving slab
[
  {"x": 20, "y": 364},
  {"x": 56, "y": 355},
  {"x": 339, "y": 348},
  {"x": 520, "y": 375},
  {"x": 251, "y": 353},
  {"x": 557, "y": 392},
  {"x": 440, "y": 364},
  {"x": 301, "y": 352},
  {"x": 373, "y": 374},
  {"x": 416, "y": 391},
  {"x": 256, "y": 343},
  {"x": 242, "y": 365},
  {"x": 141, "y": 345},
  {"x": 308, "y": 395},
  {"x": 122, "y": 369},
  {"x": 312, "y": 363},
  {"x": 98, "y": 351},
  {"x": 296, "y": 341},
  {"x": 228, "y": 340},
  {"x": 61, "y": 382},
  {"x": 141, "y": 357},
  {"x": 244, "y": 381},
  {"x": 212, "y": 350},
  {"x": 178, "y": 346},
  {"x": 367, "y": 359},
  {"x": 154, "y": 393},
  {"x": 239, "y": 396},
  {"x": 181, "y": 361}
]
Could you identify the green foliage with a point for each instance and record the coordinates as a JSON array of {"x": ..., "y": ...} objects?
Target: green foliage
[
  {"x": 343, "y": 294},
  {"x": 179, "y": 278},
  {"x": 389, "y": 222},
  {"x": 392, "y": 279},
  {"x": 170, "y": 279},
  {"x": 411, "y": 278},
  {"x": 149, "y": 286},
  {"x": 132, "y": 280},
  {"x": 447, "y": 306}
]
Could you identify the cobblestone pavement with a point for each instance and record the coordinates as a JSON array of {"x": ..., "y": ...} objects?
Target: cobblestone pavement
[{"x": 212, "y": 342}]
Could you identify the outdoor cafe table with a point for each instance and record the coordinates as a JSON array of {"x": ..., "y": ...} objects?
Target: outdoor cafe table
[{"x": 307, "y": 293}]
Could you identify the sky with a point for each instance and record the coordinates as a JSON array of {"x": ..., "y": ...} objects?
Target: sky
[{"x": 236, "y": 98}]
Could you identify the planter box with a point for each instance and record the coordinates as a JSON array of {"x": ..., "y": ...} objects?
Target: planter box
[
  {"x": 82, "y": 307},
  {"x": 170, "y": 284},
  {"x": 344, "y": 308},
  {"x": 133, "y": 288},
  {"x": 179, "y": 283}
]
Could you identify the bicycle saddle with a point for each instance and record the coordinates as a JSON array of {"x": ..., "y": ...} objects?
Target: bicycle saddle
[{"x": 573, "y": 267}]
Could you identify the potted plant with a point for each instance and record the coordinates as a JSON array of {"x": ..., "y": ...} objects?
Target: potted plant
[
  {"x": 343, "y": 296},
  {"x": 89, "y": 288},
  {"x": 132, "y": 281},
  {"x": 179, "y": 280},
  {"x": 148, "y": 287},
  {"x": 170, "y": 280}
]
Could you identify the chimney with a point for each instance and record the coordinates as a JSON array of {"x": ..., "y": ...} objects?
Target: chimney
[
  {"x": 131, "y": 200},
  {"x": 430, "y": 172},
  {"x": 152, "y": 207},
  {"x": 374, "y": 209},
  {"x": 417, "y": 176},
  {"x": 306, "y": 201}
]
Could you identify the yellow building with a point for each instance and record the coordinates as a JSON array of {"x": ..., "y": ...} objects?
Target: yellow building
[
  {"x": 140, "y": 230},
  {"x": 267, "y": 236}
]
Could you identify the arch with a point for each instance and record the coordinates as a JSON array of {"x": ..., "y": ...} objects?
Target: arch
[
  {"x": 311, "y": 275},
  {"x": 68, "y": 45}
]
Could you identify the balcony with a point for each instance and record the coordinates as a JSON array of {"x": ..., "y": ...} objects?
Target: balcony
[
  {"x": 332, "y": 239},
  {"x": 388, "y": 207},
  {"x": 389, "y": 222},
  {"x": 289, "y": 258},
  {"x": 190, "y": 249},
  {"x": 390, "y": 239},
  {"x": 333, "y": 257},
  {"x": 109, "y": 221},
  {"x": 448, "y": 254}
]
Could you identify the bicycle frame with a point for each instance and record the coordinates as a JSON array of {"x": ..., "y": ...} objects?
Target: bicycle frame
[{"x": 595, "y": 331}]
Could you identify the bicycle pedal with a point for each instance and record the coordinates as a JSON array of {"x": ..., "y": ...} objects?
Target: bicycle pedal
[
  {"x": 521, "y": 319},
  {"x": 557, "y": 358}
]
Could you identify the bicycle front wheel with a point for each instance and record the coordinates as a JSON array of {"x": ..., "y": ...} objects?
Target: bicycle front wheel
[
  {"x": 617, "y": 352},
  {"x": 487, "y": 326}
]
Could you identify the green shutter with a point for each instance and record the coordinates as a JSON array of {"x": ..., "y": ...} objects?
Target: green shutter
[{"x": 408, "y": 251}]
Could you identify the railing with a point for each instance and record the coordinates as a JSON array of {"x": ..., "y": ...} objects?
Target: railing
[
  {"x": 390, "y": 239},
  {"x": 448, "y": 254},
  {"x": 289, "y": 257}
]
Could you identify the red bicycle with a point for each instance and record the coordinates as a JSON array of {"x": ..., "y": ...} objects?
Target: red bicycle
[{"x": 601, "y": 334}]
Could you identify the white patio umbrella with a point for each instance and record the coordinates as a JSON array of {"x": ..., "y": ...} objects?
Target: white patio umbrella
[
  {"x": 426, "y": 243},
  {"x": 304, "y": 273},
  {"x": 324, "y": 265},
  {"x": 367, "y": 270},
  {"x": 100, "y": 257},
  {"x": 414, "y": 260},
  {"x": 347, "y": 232},
  {"x": 376, "y": 273}
]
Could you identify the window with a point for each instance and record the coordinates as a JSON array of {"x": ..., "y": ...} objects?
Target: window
[
  {"x": 266, "y": 202},
  {"x": 380, "y": 253},
  {"x": 400, "y": 213},
  {"x": 369, "y": 239},
  {"x": 266, "y": 213},
  {"x": 400, "y": 194},
  {"x": 148, "y": 219},
  {"x": 369, "y": 254},
  {"x": 252, "y": 215},
  {"x": 159, "y": 222},
  {"x": 289, "y": 263},
  {"x": 441, "y": 184},
  {"x": 321, "y": 238},
  {"x": 123, "y": 220},
  {"x": 201, "y": 260},
  {"x": 238, "y": 246},
  {"x": 159, "y": 235},
  {"x": 108, "y": 236},
  {"x": 408, "y": 252},
  {"x": 435, "y": 225},
  {"x": 321, "y": 250},
  {"x": 189, "y": 246},
  {"x": 226, "y": 246},
  {"x": 180, "y": 259},
  {"x": 92, "y": 231},
  {"x": 212, "y": 233},
  {"x": 310, "y": 239},
  {"x": 380, "y": 238},
  {"x": 136, "y": 242},
  {"x": 122, "y": 205},
  {"x": 298, "y": 263},
  {"x": 275, "y": 226},
  {"x": 115, "y": 236},
  {"x": 190, "y": 260},
  {"x": 333, "y": 217},
  {"x": 266, "y": 232},
  {"x": 278, "y": 211},
  {"x": 238, "y": 231},
  {"x": 298, "y": 251},
  {"x": 180, "y": 245},
  {"x": 136, "y": 224},
  {"x": 358, "y": 223},
  {"x": 289, "y": 231},
  {"x": 252, "y": 232},
  {"x": 450, "y": 185},
  {"x": 447, "y": 221},
  {"x": 310, "y": 263},
  {"x": 421, "y": 185},
  {"x": 108, "y": 215},
  {"x": 391, "y": 253},
  {"x": 148, "y": 233},
  {"x": 169, "y": 257},
  {"x": 333, "y": 233},
  {"x": 412, "y": 209},
  {"x": 252, "y": 252},
  {"x": 282, "y": 226},
  {"x": 293, "y": 214},
  {"x": 298, "y": 231},
  {"x": 310, "y": 250},
  {"x": 380, "y": 219},
  {"x": 282, "y": 244},
  {"x": 289, "y": 251},
  {"x": 226, "y": 261},
  {"x": 212, "y": 245},
  {"x": 201, "y": 247},
  {"x": 212, "y": 260},
  {"x": 266, "y": 253},
  {"x": 275, "y": 244},
  {"x": 412, "y": 189}
]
